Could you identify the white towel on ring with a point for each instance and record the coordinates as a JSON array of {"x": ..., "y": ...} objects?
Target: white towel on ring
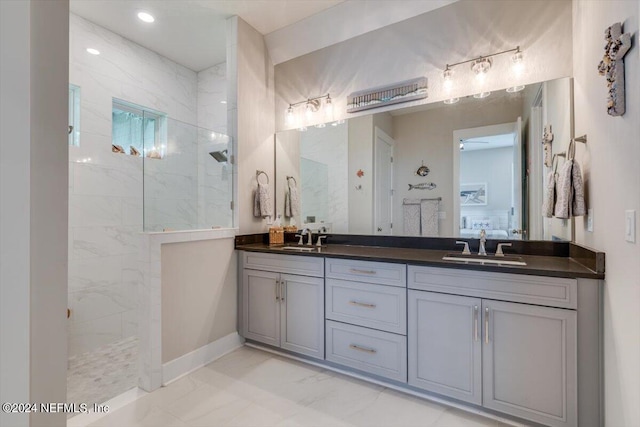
[{"x": 262, "y": 202}]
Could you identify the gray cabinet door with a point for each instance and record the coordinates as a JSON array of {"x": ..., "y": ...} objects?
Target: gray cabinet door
[
  {"x": 261, "y": 306},
  {"x": 444, "y": 337},
  {"x": 302, "y": 315},
  {"x": 529, "y": 362}
]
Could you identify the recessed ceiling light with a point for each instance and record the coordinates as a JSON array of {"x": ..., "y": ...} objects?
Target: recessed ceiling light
[
  {"x": 93, "y": 51},
  {"x": 146, "y": 17}
]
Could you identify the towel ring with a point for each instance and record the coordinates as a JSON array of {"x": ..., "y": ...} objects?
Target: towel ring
[
  {"x": 293, "y": 178},
  {"x": 258, "y": 173}
]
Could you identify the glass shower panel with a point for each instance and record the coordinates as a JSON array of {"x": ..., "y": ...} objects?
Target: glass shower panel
[{"x": 188, "y": 178}]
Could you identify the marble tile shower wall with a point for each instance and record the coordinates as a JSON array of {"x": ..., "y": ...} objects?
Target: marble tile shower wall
[
  {"x": 330, "y": 146},
  {"x": 214, "y": 179},
  {"x": 106, "y": 189}
]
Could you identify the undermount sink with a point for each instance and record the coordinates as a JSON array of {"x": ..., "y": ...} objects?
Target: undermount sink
[
  {"x": 300, "y": 248},
  {"x": 485, "y": 259}
]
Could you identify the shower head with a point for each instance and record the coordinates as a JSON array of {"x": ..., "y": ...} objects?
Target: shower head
[{"x": 220, "y": 156}]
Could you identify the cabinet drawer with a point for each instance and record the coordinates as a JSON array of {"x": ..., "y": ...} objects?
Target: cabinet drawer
[
  {"x": 539, "y": 290},
  {"x": 382, "y": 273},
  {"x": 302, "y": 265},
  {"x": 374, "y": 306},
  {"x": 375, "y": 352}
]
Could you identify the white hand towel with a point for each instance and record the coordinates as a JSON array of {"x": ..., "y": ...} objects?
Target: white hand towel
[
  {"x": 564, "y": 192},
  {"x": 578, "y": 205},
  {"x": 550, "y": 195},
  {"x": 570, "y": 192},
  {"x": 292, "y": 200},
  {"x": 429, "y": 218},
  {"x": 411, "y": 217},
  {"x": 262, "y": 202}
]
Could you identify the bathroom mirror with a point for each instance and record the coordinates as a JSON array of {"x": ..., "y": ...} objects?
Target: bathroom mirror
[{"x": 430, "y": 170}]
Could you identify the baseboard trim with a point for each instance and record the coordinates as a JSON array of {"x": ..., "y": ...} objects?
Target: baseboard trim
[{"x": 188, "y": 363}]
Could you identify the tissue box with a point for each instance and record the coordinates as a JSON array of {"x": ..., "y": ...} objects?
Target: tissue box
[{"x": 276, "y": 236}]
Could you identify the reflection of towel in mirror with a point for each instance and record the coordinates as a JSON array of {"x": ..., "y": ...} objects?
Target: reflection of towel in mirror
[
  {"x": 429, "y": 218},
  {"x": 291, "y": 200},
  {"x": 411, "y": 217},
  {"x": 262, "y": 202},
  {"x": 570, "y": 192},
  {"x": 550, "y": 196}
]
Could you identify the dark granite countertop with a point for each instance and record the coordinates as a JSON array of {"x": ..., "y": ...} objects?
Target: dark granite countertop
[{"x": 552, "y": 266}]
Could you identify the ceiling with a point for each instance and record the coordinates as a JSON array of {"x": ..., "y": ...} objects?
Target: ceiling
[
  {"x": 488, "y": 142},
  {"x": 193, "y": 32}
]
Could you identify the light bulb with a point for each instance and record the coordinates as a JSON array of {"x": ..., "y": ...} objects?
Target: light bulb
[
  {"x": 308, "y": 111},
  {"x": 448, "y": 80},
  {"x": 451, "y": 101},
  {"x": 518, "y": 62},
  {"x": 480, "y": 67},
  {"x": 320, "y": 125},
  {"x": 289, "y": 117},
  {"x": 328, "y": 108}
]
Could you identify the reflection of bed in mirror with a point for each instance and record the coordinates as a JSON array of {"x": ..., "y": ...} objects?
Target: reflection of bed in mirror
[{"x": 494, "y": 223}]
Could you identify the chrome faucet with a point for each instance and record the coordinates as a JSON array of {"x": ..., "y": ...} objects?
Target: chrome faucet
[
  {"x": 483, "y": 240},
  {"x": 308, "y": 232}
]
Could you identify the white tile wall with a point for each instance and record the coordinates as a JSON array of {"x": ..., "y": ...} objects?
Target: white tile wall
[
  {"x": 106, "y": 189},
  {"x": 186, "y": 189}
]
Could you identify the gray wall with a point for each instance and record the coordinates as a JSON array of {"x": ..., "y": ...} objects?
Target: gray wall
[
  {"x": 199, "y": 287},
  {"x": 251, "y": 117},
  {"x": 33, "y": 205},
  {"x": 611, "y": 170}
]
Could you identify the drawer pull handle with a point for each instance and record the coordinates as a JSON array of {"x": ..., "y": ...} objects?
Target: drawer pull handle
[
  {"x": 362, "y": 304},
  {"x": 364, "y": 349},
  {"x": 357, "y": 270}
]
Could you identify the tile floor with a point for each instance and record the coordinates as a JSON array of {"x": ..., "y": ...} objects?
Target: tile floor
[
  {"x": 249, "y": 387},
  {"x": 102, "y": 374}
]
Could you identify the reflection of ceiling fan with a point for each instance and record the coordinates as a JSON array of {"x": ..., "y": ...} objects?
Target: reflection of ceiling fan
[{"x": 467, "y": 141}]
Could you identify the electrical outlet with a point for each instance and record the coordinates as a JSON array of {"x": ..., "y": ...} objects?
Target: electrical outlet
[
  {"x": 590, "y": 220},
  {"x": 630, "y": 226}
]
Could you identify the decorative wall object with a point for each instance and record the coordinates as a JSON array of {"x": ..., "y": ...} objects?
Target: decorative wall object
[
  {"x": 473, "y": 194},
  {"x": 422, "y": 186},
  {"x": 422, "y": 170},
  {"x": 360, "y": 173},
  {"x": 612, "y": 67},
  {"x": 409, "y": 90},
  {"x": 547, "y": 139}
]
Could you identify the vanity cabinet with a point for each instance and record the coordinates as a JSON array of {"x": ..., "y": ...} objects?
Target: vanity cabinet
[
  {"x": 515, "y": 358},
  {"x": 282, "y": 309},
  {"x": 366, "y": 311},
  {"x": 444, "y": 345}
]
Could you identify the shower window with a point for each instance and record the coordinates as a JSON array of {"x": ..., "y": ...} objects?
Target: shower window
[
  {"x": 74, "y": 115},
  {"x": 138, "y": 130}
]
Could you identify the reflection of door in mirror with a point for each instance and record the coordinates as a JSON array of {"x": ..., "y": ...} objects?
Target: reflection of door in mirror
[
  {"x": 383, "y": 183},
  {"x": 489, "y": 190}
]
